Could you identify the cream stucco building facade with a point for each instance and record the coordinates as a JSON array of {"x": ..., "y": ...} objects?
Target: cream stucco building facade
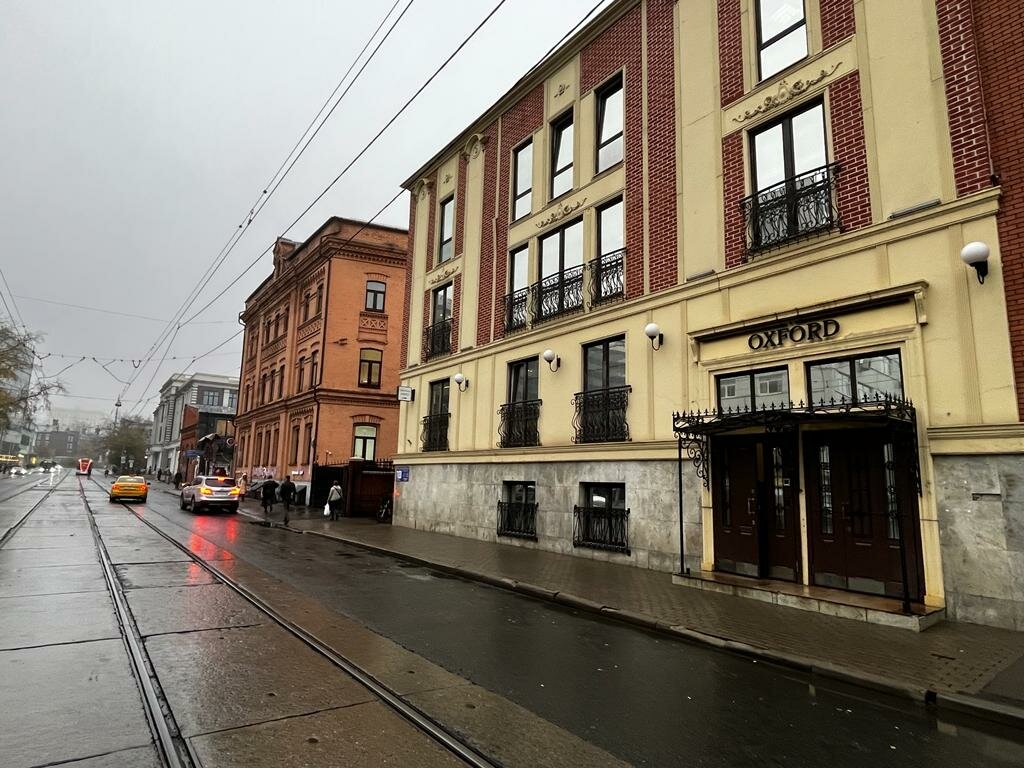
[{"x": 790, "y": 216}]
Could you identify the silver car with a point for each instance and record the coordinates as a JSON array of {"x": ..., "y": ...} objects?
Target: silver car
[{"x": 210, "y": 492}]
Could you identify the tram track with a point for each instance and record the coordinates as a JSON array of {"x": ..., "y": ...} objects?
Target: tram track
[
  {"x": 172, "y": 749},
  {"x": 6, "y": 536},
  {"x": 419, "y": 719}
]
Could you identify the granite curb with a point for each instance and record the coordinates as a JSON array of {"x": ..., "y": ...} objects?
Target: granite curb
[{"x": 954, "y": 702}]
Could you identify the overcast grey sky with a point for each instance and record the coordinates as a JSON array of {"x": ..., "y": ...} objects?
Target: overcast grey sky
[{"x": 136, "y": 135}]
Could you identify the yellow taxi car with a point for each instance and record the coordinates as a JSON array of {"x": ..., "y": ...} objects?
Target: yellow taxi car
[{"x": 129, "y": 487}]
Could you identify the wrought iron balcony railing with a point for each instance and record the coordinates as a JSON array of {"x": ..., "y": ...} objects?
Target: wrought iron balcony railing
[
  {"x": 557, "y": 295},
  {"x": 437, "y": 340},
  {"x": 435, "y": 432},
  {"x": 607, "y": 277},
  {"x": 793, "y": 209},
  {"x": 601, "y": 528},
  {"x": 517, "y": 310},
  {"x": 517, "y": 519},
  {"x": 601, "y": 415},
  {"x": 518, "y": 424}
]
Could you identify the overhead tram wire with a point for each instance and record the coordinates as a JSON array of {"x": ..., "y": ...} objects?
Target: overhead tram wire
[
  {"x": 265, "y": 196},
  {"x": 359, "y": 155},
  {"x": 20, "y": 321}
]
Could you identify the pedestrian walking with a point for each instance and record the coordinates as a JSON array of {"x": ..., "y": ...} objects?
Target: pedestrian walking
[
  {"x": 334, "y": 499},
  {"x": 287, "y": 496},
  {"x": 243, "y": 484},
  {"x": 177, "y": 480},
  {"x": 268, "y": 493}
]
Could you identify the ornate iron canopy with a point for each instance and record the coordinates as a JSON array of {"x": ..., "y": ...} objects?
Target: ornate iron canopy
[{"x": 693, "y": 429}]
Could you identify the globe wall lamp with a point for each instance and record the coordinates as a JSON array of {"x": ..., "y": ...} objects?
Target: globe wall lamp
[
  {"x": 461, "y": 382},
  {"x": 976, "y": 255},
  {"x": 553, "y": 360},
  {"x": 653, "y": 332}
]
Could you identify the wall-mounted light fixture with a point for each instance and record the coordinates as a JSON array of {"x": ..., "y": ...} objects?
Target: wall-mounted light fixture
[
  {"x": 553, "y": 360},
  {"x": 653, "y": 332},
  {"x": 976, "y": 255},
  {"x": 461, "y": 382}
]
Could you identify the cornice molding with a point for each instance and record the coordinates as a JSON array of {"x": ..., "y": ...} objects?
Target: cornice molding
[{"x": 560, "y": 212}]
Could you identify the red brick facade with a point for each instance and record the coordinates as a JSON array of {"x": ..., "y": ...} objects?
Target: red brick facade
[
  {"x": 837, "y": 21},
  {"x": 661, "y": 144},
  {"x": 517, "y": 123},
  {"x": 484, "y": 308},
  {"x": 733, "y": 175},
  {"x": 964, "y": 100},
  {"x": 730, "y": 50},
  {"x": 620, "y": 48},
  {"x": 997, "y": 27},
  {"x": 850, "y": 151}
]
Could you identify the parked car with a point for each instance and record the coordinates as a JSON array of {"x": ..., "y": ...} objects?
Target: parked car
[
  {"x": 129, "y": 487},
  {"x": 205, "y": 493}
]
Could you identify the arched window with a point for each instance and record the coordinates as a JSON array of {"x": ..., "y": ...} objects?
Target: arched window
[
  {"x": 302, "y": 374},
  {"x": 305, "y": 306},
  {"x": 375, "y": 291},
  {"x": 369, "y": 367},
  {"x": 364, "y": 443},
  {"x": 319, "y": 298}
]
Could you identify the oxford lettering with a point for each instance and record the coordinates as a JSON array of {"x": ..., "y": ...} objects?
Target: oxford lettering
[{"x": 797, "y": 333}]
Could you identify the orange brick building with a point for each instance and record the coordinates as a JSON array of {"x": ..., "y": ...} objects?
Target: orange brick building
[{"x": 320, "y": 359}]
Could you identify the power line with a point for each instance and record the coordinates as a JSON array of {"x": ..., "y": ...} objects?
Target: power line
[
  {"x": 242, "y": 228},
  {"x": 111, "y": 311},
  {"x": 359, "y": 155}
]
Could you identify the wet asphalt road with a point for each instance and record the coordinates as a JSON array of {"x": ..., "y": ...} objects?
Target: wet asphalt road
[{"x": 644, "y": 698}]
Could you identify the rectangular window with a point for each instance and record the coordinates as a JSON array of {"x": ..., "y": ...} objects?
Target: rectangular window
[
  {"x": 306, "y": 299},
  {"x": 313, "y": 359},
  {"x": 375, "y": 291},
  {"x": 607, "y": 278},
  {"x": 522, "y": 380},
  {"x": 781, "y": 35},
  {"x": 522, "y": 181},
  {"x": 280, "y": 383},
  {"x": 302, "y": 374},
  {"x": 561, "y": 155},
  {"x": 518, "y": 492},
  {"x": 519, "y": 269},
  {"x": 365, "y": 443},
  {"x": 754, "y": 390},
  {"x": 606, "y": 496},
  {"x": 443, "y": 303},
  {"x": 273, "y": 446},
  {"x": 369, "y": 367},
  {"x": 319, "y": 298},
  {"x": 609, "y": 125},
  {"x": 825, "y": 482},
  {"x": 439, "y": 397},
  {"x": 295, "y": 445},
  {"x": 866, "y": 379},
  {"x": 447, "y": 228},
  {"x": 610, "y": 234},
  {"x": 561, "y": 272},
  {"x": 307, "y": 443},
  {"x": 210, "y": 396},
  {"x": 605, "y": 364}
]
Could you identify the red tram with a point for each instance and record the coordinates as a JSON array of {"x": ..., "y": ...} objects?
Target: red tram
[{"x": 84, "y": 467}]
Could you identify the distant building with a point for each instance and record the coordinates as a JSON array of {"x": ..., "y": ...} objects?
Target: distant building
[
  {"x": 321, "y": 353},
  {"x": 55, "y": 443},
  {"x": 210, "y": 393},
  {"x": 207, "y": 440},
  {"x": 18, "y": 432}
]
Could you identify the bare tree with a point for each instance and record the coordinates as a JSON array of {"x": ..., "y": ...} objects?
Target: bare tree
[{"x": 20, "y": 395}]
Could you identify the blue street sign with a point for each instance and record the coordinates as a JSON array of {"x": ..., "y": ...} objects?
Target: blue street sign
[{"x": 402, "y": 474}]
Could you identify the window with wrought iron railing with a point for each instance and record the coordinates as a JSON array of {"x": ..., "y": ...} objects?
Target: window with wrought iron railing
[
  {"x": 517, "y": 511},
  {"x": 437, "y": 340},
  {"x": 602, "y": 520},
  {"x": 435, "y": 432}
]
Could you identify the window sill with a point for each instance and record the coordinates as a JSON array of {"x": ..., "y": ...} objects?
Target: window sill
[{"x": 608, "y": 171}]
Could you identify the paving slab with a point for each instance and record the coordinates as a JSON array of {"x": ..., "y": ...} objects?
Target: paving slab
[
  {"x": 31, "y": 539},
  {"x": 49, "y": 619},
  {"x": 158, "y": 610},
  {"x": 229, "y": 678},
  {"x": 178, "y": 574},
  {"x": 54, "y": 580},
  {"x": 49, "y": 704},
  {"x": 153, "y": 552},
  {"x": 40, "y": 558},
  {"x": 362, "y": 736},
  {"x": 140, "y": 757}
]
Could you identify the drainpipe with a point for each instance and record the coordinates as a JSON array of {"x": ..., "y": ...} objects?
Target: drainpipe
[{"x": 682, "y": 534}]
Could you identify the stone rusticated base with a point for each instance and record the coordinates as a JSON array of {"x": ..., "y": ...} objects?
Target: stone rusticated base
[
  {"x": 462, "y": 499},
  {"x": 981, "y": 527}
]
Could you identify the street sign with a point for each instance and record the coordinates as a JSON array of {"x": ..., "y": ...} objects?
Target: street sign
[
  {"x": 406, "y": 394},
  {"x": 191, "y": 454},
  {"x": 402, "y": 474}
]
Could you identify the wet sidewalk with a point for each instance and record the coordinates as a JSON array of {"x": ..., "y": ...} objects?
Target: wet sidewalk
[{"x": 965, "y": 666}]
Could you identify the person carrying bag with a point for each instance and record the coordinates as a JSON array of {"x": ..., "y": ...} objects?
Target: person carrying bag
[{"x": 334, "y": 498}]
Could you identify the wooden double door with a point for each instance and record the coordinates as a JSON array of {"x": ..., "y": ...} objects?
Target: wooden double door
[
  {"x": 861, "y": 500},
  {"x": 756, "y": 529}
]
